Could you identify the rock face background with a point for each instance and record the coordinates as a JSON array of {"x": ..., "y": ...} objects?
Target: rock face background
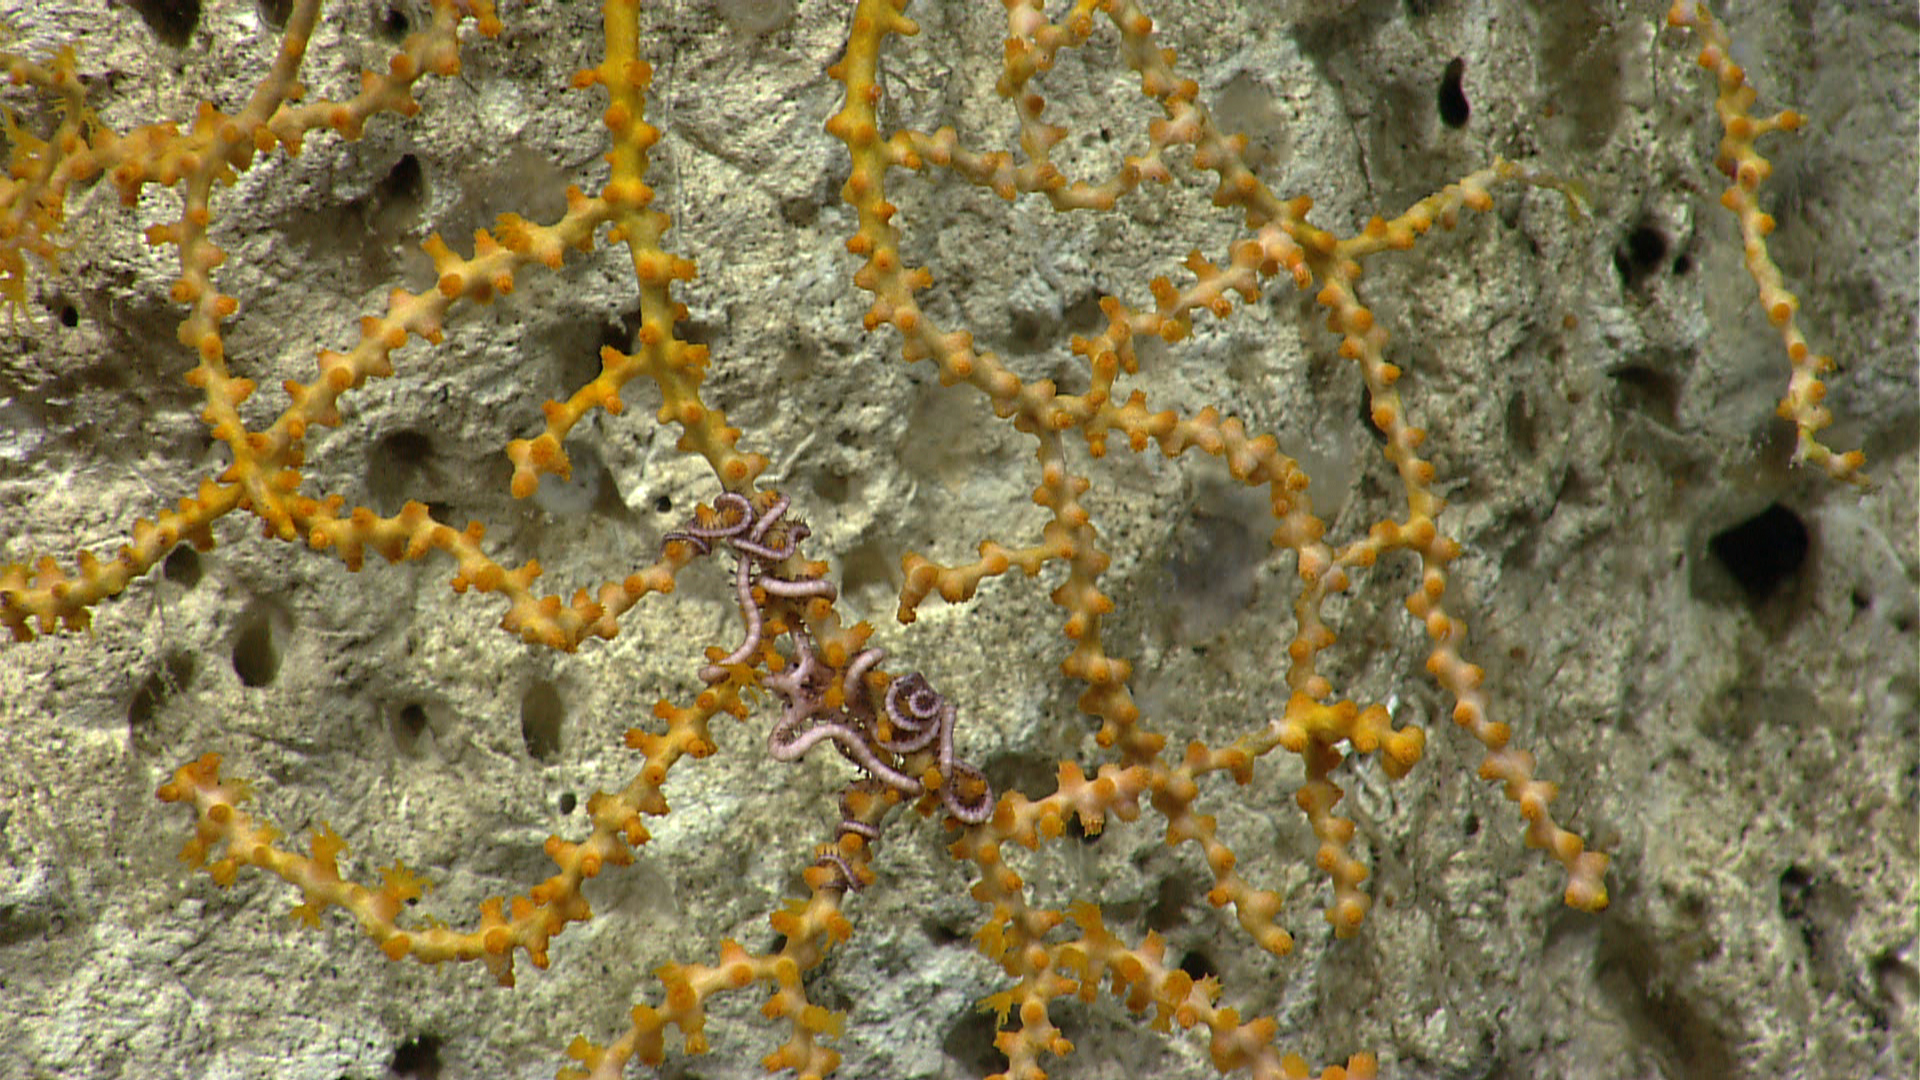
[{"x": 1714, "y": 655}]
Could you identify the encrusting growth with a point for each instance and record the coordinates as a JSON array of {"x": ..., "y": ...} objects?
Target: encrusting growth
[{"x": 899, "y": 736}]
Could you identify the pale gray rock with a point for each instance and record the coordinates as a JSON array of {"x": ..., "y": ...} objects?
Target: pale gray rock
[{"x": 1599, "y": 394}]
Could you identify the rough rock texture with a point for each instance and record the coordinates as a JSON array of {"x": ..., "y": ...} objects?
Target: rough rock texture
[{"x": 1714, "y": 655}]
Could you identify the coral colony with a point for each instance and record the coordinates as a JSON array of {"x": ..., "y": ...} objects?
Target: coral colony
[{"x": 799, "y": 670}]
